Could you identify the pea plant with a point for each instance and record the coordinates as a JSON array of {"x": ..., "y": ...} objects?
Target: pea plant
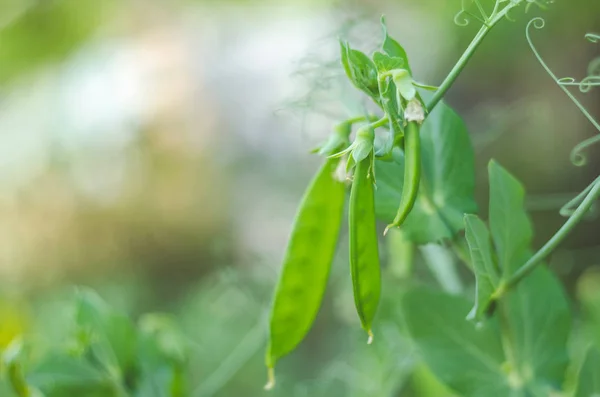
[
  {"x": 410, "y": 164},
  {"x": 100, "y": 352}
]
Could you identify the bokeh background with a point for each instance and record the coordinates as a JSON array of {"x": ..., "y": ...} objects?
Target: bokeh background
[{"x": 156, "y": 151}]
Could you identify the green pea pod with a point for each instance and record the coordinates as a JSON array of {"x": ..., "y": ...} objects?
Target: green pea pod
[
  {"x": 306, "y": 264},
  {"x": 412, "y": 173},
  {"x": 364, "y": 255}
]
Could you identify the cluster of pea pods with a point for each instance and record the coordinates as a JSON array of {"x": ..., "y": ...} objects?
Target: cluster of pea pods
[{"x": 386, "y": 78}]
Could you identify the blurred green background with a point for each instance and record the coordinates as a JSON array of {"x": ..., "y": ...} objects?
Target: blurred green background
[{"x": 156, "y": 151}]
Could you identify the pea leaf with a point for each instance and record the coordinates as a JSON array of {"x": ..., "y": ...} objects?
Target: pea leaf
[
  {"x": 510, "y": 226},
  {"x": 59, "y": 375},
  {"x": 163, "y": 355},
  {"x": 447, "y": 180},
  {"x": 404, "y": 84},
  {"x": 486, "y": 274},
  {"x": 588, "y": 383},
  {"x": 388, "y": 100},
  {"x": 360, "y": 70},
  {"x": 466, "y": 358},
  {"x": 393, "y": 48},
  {"x": 110, "y": 335},
  {"x": 538, "y": 315}
]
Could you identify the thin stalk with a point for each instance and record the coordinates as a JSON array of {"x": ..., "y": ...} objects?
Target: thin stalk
[
  {"x": 462, "y": 62},
  {"x": 458, "y": 68}
]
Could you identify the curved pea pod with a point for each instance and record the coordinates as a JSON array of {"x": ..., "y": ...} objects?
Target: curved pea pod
[
  {"x": 306, "y": 264},
  {"x": 412, "y": 173},
  {"x": 364, "y": 253}
]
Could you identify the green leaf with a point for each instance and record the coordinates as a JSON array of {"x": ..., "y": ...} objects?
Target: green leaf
[
  {"x": 360, "y": 70},
  {"x": 588, "y": 383},
  {"x": 588, "y": 292},
  {"x": 393, "y": 48},
  {"x": 41, "y": 33},
  {"x": 60, "y": 375},
  {"x": 110, "y": 335},
  {"x": 509, "y": 223},
  {"x": 404, "y": 84},
  {"x": 538, "y": 315},
  {"x": 163, "y": 353},
  {"x": 486, "y": 274},
  {"x": 467, "y": 358},
  {"x": 388, "y": 99},
  {"x": 447, "y": 180},
  {"x": 12, "y": 360}
]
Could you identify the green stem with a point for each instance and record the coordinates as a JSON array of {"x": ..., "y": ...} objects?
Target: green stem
[
  {"x": 560, "y": 235},
  {"x": 360, "y": 119},
  {"x": 462, "y": 62},
  {"x": 458, "y": 68}
]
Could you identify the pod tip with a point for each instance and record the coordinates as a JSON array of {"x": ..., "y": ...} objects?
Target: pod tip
[
  {"x": 370, "y": 339},
  {"x": 387, "y": 228},
  {"x": 270, "y": 379}
]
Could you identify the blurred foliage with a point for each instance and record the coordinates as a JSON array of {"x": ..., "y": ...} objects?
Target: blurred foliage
[
  {"x": 35, "y": 32},
  {"x": 180, "y": 234}
]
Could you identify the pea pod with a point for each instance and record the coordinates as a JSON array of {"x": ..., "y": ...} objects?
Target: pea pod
[
  {"x": 364, "y": 255},
  {"x": 306, "y": 264},
  {"x": 412, "y": 173}
]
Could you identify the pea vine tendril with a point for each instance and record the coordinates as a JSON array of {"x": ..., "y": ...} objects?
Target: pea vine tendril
[
  {"x": 581, "y": 205},
  {"x": 577, "y": 156},
  {"x": 464, "y": 16}
]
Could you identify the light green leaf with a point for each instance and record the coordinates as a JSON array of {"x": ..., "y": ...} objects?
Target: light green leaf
[
  {"x": 486, "y": 273},
  {"x": 467, "y": 358},
  {"x": 539, "y": 319},
  {"x": 401, "y": 252},
  {"x": 360, "y": 70},
  {"x": 47, "y": 32},
  {"x": 60, "y": 375},
  {"x": 588, "y": 383},
  {"x": 163, "y": 353},
  {"x": 393, "y": 48},
  {"x": 404, "y": 84},
  {"x": 447, "y": 180},
  {"x": 588, "y": 292},
  {"x": 111, "y": 335},
  {"x": 509, "y": 223},
  {"x": 388, "y": 99}
]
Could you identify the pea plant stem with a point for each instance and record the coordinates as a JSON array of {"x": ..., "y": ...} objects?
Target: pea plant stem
[
  {"x": 458, "y": 67},
  {"x": 560, "y": 235},
  {"x": 462, "y": 62}
]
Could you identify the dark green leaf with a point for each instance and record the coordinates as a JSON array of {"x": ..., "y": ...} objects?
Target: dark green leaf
[
  {"x": 447, "y": 180},
  {"x": 486, "y": 274},
  {"x": 509, "y": 223},
  {"x": 539, "y": 319},
  {"x": 360, "y": 70},
  {"x": 588, "y": 383},
  {"x": 467, "y": 358}
]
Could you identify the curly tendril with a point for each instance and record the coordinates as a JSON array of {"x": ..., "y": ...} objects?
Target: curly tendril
[
  {"x": 463, "y": 17},
  {"x": 593, "y": 71},
  {"x": 569, "y": 208},
  {"x": 577, "y": 156},
  {"x": 593, "y": 37}
]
